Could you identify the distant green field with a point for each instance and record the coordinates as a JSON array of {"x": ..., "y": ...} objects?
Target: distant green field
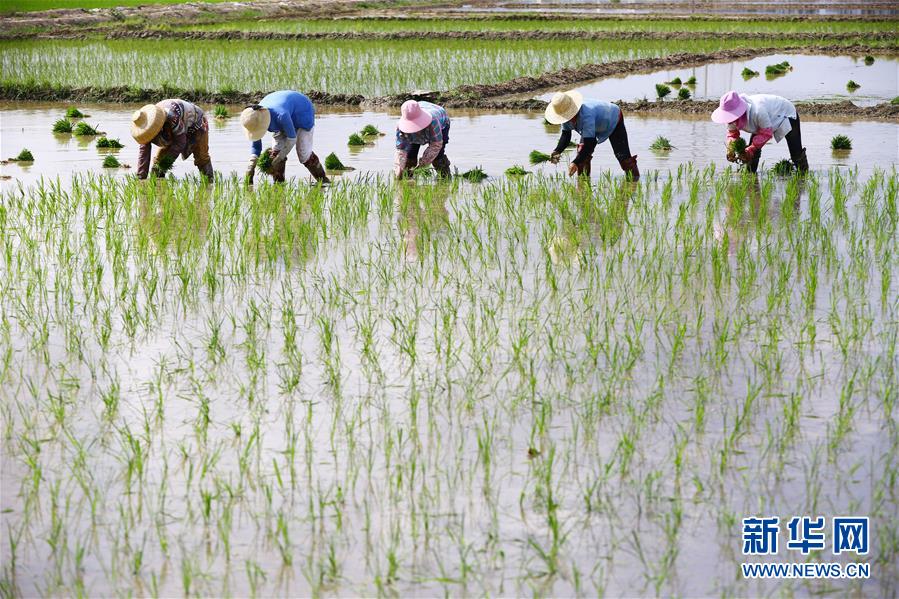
[
  {"x": 8, "y": 6},
  {"x": 512, "y": 24}
]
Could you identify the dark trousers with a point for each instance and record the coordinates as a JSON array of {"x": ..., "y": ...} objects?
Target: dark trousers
[
  {"x": 412, "y": 155},
  {"x": 618, "y": 139}
]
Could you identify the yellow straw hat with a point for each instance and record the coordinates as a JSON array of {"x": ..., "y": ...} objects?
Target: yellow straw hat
[
  {"x": 255, "y": 122},
  {"x": 146, "y": 123},
  {"x": 563, "y": 107}
]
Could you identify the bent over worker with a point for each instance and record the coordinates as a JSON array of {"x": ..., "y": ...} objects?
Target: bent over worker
[
  {"x": 596, "y": 121},
  {"x": 291, "y": 117},
  {"x": 421, "y": 123},
  {"x": 763, "y": 116},
  {"x": 178, "y": 128}
]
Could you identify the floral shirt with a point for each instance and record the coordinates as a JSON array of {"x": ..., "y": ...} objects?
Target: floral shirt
[
  {"x": 183, "y": 121},
  {"x": 432, "y": 136}
]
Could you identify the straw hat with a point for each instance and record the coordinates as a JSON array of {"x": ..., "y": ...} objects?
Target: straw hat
[
  {"x": 255, "y": 122},
  {"x": 563, "y": 107},
  {"x": 413, "y": 119},
  {"x": 146, "y": 123},
  {"x": 730, "y": 108}
]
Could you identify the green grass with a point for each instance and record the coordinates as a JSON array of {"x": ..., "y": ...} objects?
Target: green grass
[
  {"x": 9, "y": 6},
  {"x": 500, "y": 24},
  {"x": 354, "y": 67},
  {"x": 509, "y": 389}
]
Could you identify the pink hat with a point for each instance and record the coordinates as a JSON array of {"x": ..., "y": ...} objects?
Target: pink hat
[
  {"x": 413, "y": 119},
  {"x": 730, "y": 108}
]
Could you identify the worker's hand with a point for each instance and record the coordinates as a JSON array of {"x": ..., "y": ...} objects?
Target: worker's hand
[
  {"x": 748, "y": 154},
  {"x": 554, "y": 157},
  {"x": 731, "y": 156},
  {"x": 572, "y": 169}
]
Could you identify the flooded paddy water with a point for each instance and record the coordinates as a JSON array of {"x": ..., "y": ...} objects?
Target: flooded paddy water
[
  {"x": 493, "y": 141},
  {"x": 818, "y": 78}
]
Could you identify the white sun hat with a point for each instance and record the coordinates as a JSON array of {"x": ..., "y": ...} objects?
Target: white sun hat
[
  {"x": 146, "y": 123},
  {"x": 255, "y": 122},
  {"x": 563, "y": 107}
]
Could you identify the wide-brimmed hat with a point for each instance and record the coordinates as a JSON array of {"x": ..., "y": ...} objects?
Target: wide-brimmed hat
[
  {"x": 255, "y": 121},
  {"x": 413, "y": 118},
  {"x": 563, "y": 107},
  {"x": 146, "y": 123},
  {"x": 730, "y": 108}
]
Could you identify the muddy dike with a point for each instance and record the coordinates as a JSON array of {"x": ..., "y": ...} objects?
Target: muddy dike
[{"x": 233, "y": 35}]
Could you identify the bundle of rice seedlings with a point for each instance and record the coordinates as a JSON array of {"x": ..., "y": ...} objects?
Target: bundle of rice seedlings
[
  {"x": 783, "y": 168},
  {"x": 773, "y": 70},
  {"x": 840, "y": 142},
  {"x": 24, "y": 156},
  {"x": 894, "y": 101},
  {"x": 370, "y": 131},
  {"x": 264, "y": 162},
  {"x": 62, "y": 126},
  {"x": 475, "y": 175},
  {"x": 661, "y": 144},
  {"x": 74, "y": 113},
  {"x": 220, "y": 112},
  {"x": 738, "y": 146},
  {"x": 691, "y": 80},
  {"x": 111, "y": 162},
  {"x": 109, "y": 143},
  {"x": 333, "y": 163},
  {"x": 516, "y": 170},
  {"x": 748, "y": 73},
  {"x": 683, "y": 93},
  {"x": 662, "y": 90},
  {"x": 83, "y": 129},
  {"x": 869, "y": 60},
  {"x": 355, "y": 140},
  {"x": 537, "y": 157},
  {"x": 852, "y": 85},
  {"x": 675, "y": 81}
]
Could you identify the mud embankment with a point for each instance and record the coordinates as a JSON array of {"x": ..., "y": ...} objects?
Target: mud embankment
[{"x": 230, "y": 35}]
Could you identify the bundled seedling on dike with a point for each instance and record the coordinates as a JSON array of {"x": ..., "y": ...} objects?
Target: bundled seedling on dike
[
  {"x": 82, "y": 129},
  {"x": 662, "y": 91},
  {"x": 841, "y": 143},
  {"x": 220, "y": 112},
  {"x": 516, "y": 171},
  {"x": 74, "y": 113},
  {"x": 333, "y": 163},
  {"x": 111, "y": 162},
  {"x": 355, "y": 140},
  {"x": 691, "y": 80},
  {"x": 107, "y": 143},
  {"x": 370, "y": 131},
  {"x": 776, "y": 70},
  {"x": 748, "y": 73},
  {"x": 62, "y": 126},
  {"x": 683, "y": 93},
  {"x": 852, "y": 85},
  {"x": 661, "y": 144},
  {"x": 24, "y": 155},
  {"x": 869, "y": 60}
]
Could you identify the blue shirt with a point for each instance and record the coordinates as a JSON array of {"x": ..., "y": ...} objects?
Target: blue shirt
[
  {"x": 290, "y": 111},
  {"x": 432, "y": 133},
  {"x": 595, "y": 119}
]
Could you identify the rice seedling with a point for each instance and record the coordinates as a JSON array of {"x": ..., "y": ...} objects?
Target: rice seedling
[
  {"x": 536, "y": 157},
  {"x": 776, "y": 70},
  {"x": 894, "y": 101},
  {"x": 333, "y": 163},
  {"x": 370, "y": 131},
  {"x": 738, "y": 146},
  {"x": 111, "y": 162},
  {"x": 675, "y": 82},
  {"x": 108, "y": 143},
  {"x": 662, "y": 90},
  {"x": 264, "y": 162},
  {"x": 516, "y": 171},
  {"x": 852, "y": 85},
  {"x": 220, "y": 112},
  {"x": 24, "y": 156},
  {"x": 840, "y": 142},
  {"x": 683, "y": 93},
  {"x": 62, "y": 126},
  {"x": 74, "y": 113},
  {"x": 782, "y": 168},
  {"x": 475, "y": 175},
  {"x": 748, "y": 73},
  {"x": 691, "y": 80},
  {"x": 661, "y": 144},
  {"x": 355, "y": 140},
  {"x": 869, "y": 60},
  {"x": 82, "y": 129}
]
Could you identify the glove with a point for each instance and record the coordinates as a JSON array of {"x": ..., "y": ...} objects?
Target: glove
[
  {"x": 731, "y": 156},
  {"x": 554, "y": 157},
  {"x": 251, "y": 170},
  {"x": 278, "y": 159},
  {"x": 749, "y": 153}
]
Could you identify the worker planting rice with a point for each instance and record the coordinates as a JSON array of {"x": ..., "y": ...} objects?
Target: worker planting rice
[
  {"x": 178, "y": 128},
  {"x": 421, "y": 124}
]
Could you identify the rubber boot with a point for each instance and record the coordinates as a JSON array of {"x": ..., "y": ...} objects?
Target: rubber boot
[
  {"x": 753, "y": 165},
  {"x": 206, "y": 171},
  {"x": 442, "y": 166},
  {"x": 315, "y": 167},
  {"x": 629, "y": 166},
  {"x": 586, "y": 168},
  {"x": 800, "y": 161}
]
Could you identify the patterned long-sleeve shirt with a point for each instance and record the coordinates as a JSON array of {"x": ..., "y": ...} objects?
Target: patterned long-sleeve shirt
[
  {"x": 432, "y": 135},
  {"x": 183, "y": 120}
]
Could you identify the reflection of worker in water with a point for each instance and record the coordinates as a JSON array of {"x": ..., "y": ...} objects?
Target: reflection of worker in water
[
  {"x": 421, "y": 124},
  {"x": 291, "y": 117},
  {"x": 763, "y": 116},
  {"x": 596, "y": 121},
  {"x": 421, "y": 212},
  {"x": 178, "y": 128}
]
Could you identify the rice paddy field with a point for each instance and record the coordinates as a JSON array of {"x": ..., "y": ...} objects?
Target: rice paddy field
[{"x": 534, "y": 385}]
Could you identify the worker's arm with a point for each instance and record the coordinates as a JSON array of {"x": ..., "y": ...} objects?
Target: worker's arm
[
  {"x": 564, "y": 140},
  {"x": 435, "y": 143},
  {"x": 588, "y": 144},
  {"x": 400, "y": 160}
]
